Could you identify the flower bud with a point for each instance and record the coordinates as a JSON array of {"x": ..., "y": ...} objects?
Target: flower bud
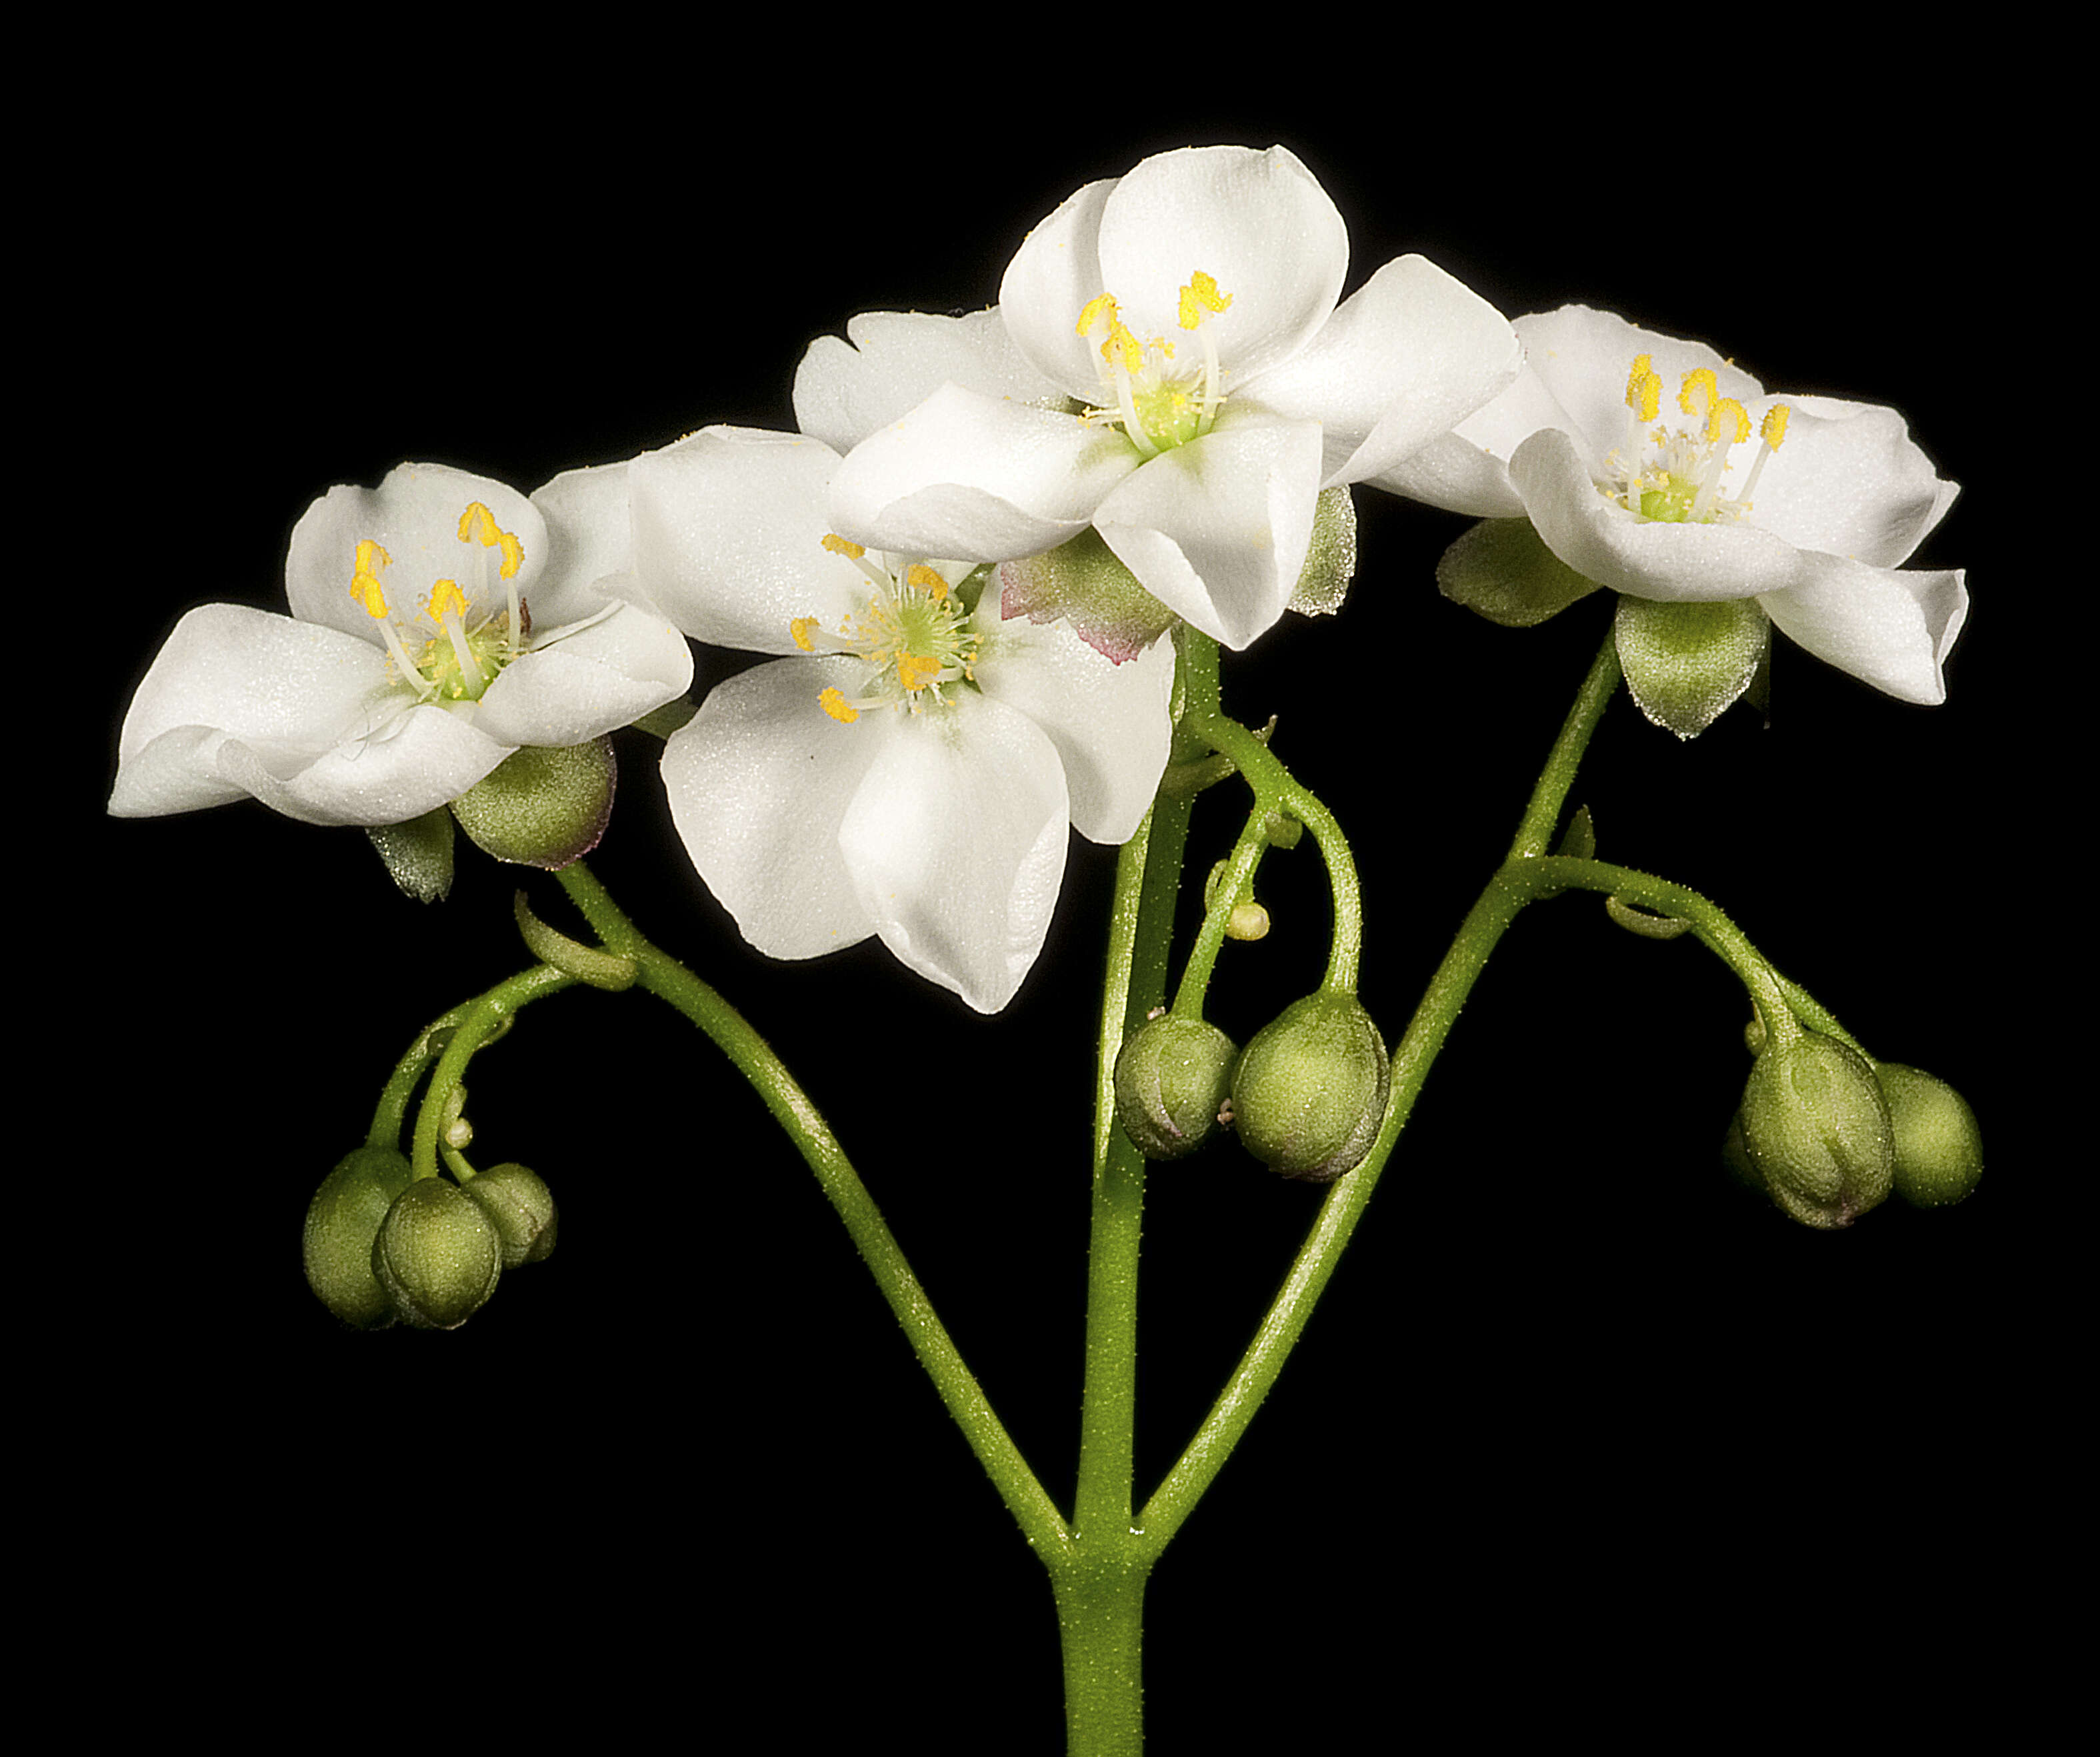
[
  {"x": 1939, "y": 1150},
  {"x": 341, "y": 1221},
  {"x": 520, "y": 1207},
  {"x": 1170, "y": 1080},
  {"x": 1816, "y": 1127},
  {"x": 542, "y": 805},
  {"x": 437, "y": 1255},
  {"x": 1308, "y": 1097}
]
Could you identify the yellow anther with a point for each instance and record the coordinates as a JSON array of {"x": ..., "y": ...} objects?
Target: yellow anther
[
  {"x": 1642, "y": 369},
  {"x": 799, "y": 629},
  {"x": 1096, "y": 310},
  {"x": 1122, "y": 344},
  {"x": 447, "y": 599},
  {"x": 840, "y": 545},
  {"x": 1643, "y": 390},
  {"x": 838, "y": 707},
  {"x": 1199, "y": 295},
  {"x": 513, "y": 553},
  {"x": 364, "y": 581},
  {"x": 1728, "y": 423},
  {"x": 1708, "y": 387},
  {"x": 365, "y": 589},
  {"x": 478, "y": 525},
  {"x": 914, "y": 671},
  {"x": 1772, "y": 430},
  {"x": 927, "y": 579}
]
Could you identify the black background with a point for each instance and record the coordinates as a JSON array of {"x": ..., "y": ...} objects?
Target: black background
[{"x": 689, "y": 1463}]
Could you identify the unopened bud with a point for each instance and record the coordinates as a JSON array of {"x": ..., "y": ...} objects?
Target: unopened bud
[
  {"x": 520, "y": 1207},
  {"x": 437, "y": 1254},
  {"x": 1309, "y": 1095},
  {"x": 1171, "y": 1081},
  {"x": 1939, "y": 1150},
  {"x": 341, "y": 1221},
  {"x": 1816, "y": 1127}
]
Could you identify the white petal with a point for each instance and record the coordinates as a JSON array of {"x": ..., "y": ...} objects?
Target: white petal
[
  {"x": 1259, "y": 223},
  {"x": 1404, "y": 358},
  {"x": 1583, "y": 357},
  {"x": 759, "y": 781},
  {"x": 1217, "y": 530},
  {"x": 1891, "y": 628},
  {"x": 957, "y": 844},
  {"x": 304, "y": 718},
  {"x": 891, "y": 361},
  {"x": 414, "y": 515},
  {"x": 969, "y": 475},
  {"x": 1456, "y": 474},
  {"x": 1647, "y": 558},
  {"x": 729, "y": 530},
  {"x": 603, "y": 677},
  {"x": 1053, "y": 275},
  {"x": 589, "y": 538},
  {"x": 1111, "y": 723},
  {"x": 1846, "y": 478}
]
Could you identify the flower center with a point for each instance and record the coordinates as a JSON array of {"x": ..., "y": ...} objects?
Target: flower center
[
  {"x": 452, "y": 650},
  {"x": 1679, "y": 482},
  {"x": 915, "y": 633},
  {"x": 1162, "y": 402}
]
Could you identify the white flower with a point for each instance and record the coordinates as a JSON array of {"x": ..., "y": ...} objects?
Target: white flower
[
  {"x": 439, "y": 623},
  {"x": 1188, "y": 311},
  {"x": 911, "y": 771},
  {"x": 1653, "y": 466}
]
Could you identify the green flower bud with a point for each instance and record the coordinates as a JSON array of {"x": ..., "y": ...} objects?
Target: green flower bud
[
  {"x": 520, "y": 1207},
  {"x": 1939, "y": 1150},
  {"x": 1171, "y": 1081},
  {"x": 437, "y": 1255},
  {"x": 341, "y": 1221},
  {"x": 1309, "y": 1095},
  {"x": 1816, "y": 1128},
  {"x": 542, "y": 805}
]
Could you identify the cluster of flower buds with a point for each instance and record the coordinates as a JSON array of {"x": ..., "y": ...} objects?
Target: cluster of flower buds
[
  {"x": 1828, "y": 1133},
  {"x": 382, "y": 1245},
  {"x": 1306, "y": 1096}
]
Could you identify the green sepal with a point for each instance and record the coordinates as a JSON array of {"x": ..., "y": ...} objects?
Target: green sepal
[
  {"x": 1331, "y": 562},
  {"x": 1685, "y": 664},
  {"x": 418, "y": 854},
  {"x": 1939, "y": 1148},
  {"x": 1501, "y": 569},
  {"x": 661, "y": 722},
  {"x": 1083, "y": 581},
  {"x": 437, "y": 1255},
  {"x": 1173, "y": 1078},
  {"x": 542, "y": 806}
]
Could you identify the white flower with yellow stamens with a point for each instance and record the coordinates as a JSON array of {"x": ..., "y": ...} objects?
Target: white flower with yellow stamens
[
  {"x": 439, "y": 623},
  {"x": 1633, "y": 456},
  {"x": 912, "y": 765},
  {"x": 1188, "y": 311}
]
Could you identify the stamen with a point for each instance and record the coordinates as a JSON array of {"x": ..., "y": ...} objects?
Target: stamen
[
  {"x": 914, "y": 671},
  {"x": 447, "y": 599},
  {"x": 800, "y": 628},
  {"x": 1702, "y": 380},
  {"x": 1772, "y": 431},
  {"x": 835, "y": 704},
  {"x": 1201, "y": 296},
  {"x": 842, "y": 545},
  {"x": 927, "y": 579}
]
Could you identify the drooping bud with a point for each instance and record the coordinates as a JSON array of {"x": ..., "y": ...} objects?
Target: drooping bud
[
  {"x": 341, "y": 1221},
  {"x": 1939, "y": 1150},
  {"x": 1309, "y": 1094},
  {"x": 520, "y": 1207},
  {"x": 437, "y": 1254},
  {"x": 1816, "y": 1127},
  {"x": 542, "y": 805},
  {"x": 1171, "y": 1079}
]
